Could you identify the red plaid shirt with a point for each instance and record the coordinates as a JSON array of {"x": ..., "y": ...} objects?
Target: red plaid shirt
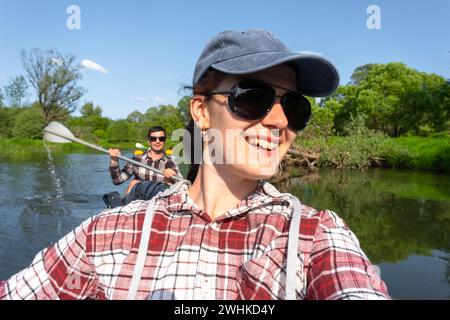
[
  {"x": 239, "y": 255},
  {"x": 140, "y": 173}
]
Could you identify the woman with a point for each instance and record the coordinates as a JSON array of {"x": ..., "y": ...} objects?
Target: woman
[{"x": 228, "y": 235}]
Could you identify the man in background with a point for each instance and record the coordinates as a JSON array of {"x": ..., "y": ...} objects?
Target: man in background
[{"x": 154, "y": 157}]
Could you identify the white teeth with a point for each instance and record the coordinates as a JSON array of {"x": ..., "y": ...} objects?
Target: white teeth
[
  {"x": 262, "y": 143},
  {"x": 271, "y": 145}
]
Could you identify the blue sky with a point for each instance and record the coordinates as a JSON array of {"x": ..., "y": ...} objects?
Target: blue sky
[{"x": 149, "y": 48}]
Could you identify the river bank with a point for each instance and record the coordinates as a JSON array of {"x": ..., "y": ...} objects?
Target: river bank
[
  {"x": 356, "y": 152},
  {"x": 416, "y": 153},
  {"x": 24, "y": 149}
]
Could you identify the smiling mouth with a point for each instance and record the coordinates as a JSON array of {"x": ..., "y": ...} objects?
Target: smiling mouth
[{"x": 262, "y": 143}]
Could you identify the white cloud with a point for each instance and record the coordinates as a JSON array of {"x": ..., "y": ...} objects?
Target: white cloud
[
  {"x": 311, "y": 52},
  {"x": 159, "y": 99},
  {"x": 89, "y": 64},
  {"x": 141, "y": 99},
  {"x": 56, "y": 61}
]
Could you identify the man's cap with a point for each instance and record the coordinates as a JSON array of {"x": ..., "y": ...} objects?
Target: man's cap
[{"x": 239, "y": 53}]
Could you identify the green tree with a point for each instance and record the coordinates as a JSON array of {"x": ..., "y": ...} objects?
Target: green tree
[
  {"x": 137, "y": 122},
  {"x": 338, "y": 104},
  {"x": 360, "y": 73},
  {"x": 395, "y": 98},
  {"x": 136, "y": 117},
  {"x": 167, "y": 116},
  {"x": 78, "y": 127},
  {"x": 440, "y": 115},
  {"x": 1, "y": 98},
  {"x": 16, "y": 90},
  {"x": 90, "y": 125},
  {"x": 28, "y": 123},
  {"x": 120, "y": 130},
  {"x": 7, "y": 120},
  {"x": 88, "y": 110},
  {"x": 97, "y": 122},
  {"x": 321, "y": 120},
  {"x": 185, "y": 109},
  {"x": 55, "y": 80},
  {"x": 99, "y": 134}
]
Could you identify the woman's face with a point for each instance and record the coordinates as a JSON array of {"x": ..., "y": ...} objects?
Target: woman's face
[{"x": 251, "y": 149}]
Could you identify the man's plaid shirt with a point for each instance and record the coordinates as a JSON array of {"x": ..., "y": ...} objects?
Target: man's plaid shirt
[
  {"x": 239, "y": 255},
  {"x": 140, "y": 173}
]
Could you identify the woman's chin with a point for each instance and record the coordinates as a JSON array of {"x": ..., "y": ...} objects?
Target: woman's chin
[{"x": 258, "y": 173}]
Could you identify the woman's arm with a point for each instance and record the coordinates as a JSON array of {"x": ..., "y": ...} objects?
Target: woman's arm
[{"x": 339, "y": 269}]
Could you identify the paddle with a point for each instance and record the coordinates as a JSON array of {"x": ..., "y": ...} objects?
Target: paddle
[{"x": 56, "y": 132}]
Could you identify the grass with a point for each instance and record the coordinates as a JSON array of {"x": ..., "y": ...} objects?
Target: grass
[
  {"x": 76, "y": 147},
  {"x": 20, "y": 149},
  {"x": 23, "y": 149},
  {"x": 418, "y": 153},
  {"x": 359, "y": 152}
]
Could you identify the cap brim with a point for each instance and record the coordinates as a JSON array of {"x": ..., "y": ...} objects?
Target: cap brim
[{"x": 317, "y": 76}]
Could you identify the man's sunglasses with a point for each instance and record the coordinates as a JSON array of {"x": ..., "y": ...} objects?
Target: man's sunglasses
[
  {"x": 153, "y": 139},
  {"x": 253, "y": 100}
]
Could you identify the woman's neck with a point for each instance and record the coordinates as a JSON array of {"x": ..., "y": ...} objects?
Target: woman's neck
[{"x": 216, "y": 192}]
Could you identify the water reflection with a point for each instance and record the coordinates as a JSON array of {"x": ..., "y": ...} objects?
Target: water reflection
[{"x": 392, "y": 219}]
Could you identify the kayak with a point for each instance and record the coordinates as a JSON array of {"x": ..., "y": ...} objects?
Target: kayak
[{"x": 144, "y": 190}]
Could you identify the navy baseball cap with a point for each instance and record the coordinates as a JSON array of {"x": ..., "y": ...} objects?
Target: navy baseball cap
[{"x": 239, "y": 53}]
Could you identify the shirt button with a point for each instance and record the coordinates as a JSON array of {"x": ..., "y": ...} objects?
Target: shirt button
[{"x": 205, "y": 289}]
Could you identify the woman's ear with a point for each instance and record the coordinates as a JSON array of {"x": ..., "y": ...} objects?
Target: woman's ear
[{"x": 199, "y": 112}]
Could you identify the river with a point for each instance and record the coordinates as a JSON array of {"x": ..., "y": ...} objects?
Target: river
[{"x": 401, "y": 218}]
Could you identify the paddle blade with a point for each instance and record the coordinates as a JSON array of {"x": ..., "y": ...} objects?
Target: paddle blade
[
  {"x": 140, "y": 146},
  {"x": 56, "y": 132}
]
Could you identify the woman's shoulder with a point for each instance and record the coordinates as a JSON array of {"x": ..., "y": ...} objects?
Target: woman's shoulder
[{"x": 119, "y": 218}]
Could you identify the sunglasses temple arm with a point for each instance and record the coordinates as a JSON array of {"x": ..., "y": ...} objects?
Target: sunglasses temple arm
[{"x": 218, "y": 92}]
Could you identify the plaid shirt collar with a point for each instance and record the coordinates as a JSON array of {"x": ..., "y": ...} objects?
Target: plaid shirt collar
[
  {"x": 146, "y": 155},
  {"x": 178, "y": 202}
]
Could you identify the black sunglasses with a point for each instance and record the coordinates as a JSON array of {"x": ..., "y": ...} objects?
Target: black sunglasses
[
  {"x": 153, "y": 139},
  {"x": 253, "y": 100}
]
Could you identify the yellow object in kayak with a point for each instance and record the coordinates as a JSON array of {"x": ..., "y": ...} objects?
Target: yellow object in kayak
[
  {"x": 169, "y": 152},
  {"x": 138, "y": 152}
]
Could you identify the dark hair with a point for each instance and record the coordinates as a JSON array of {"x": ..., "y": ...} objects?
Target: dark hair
[
  {"x": 155, "y": 129},
  {"x": 190, "y": 150},
  {"x": 209, "y": 82}
]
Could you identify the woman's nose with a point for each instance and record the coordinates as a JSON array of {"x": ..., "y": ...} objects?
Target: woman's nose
[{"x": 276, "y": 117}]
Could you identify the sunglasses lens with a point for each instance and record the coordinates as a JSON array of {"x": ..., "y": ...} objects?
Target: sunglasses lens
[
  {"x": 251, "y": 101},
  {"x": 153, "y": 139},
  {"x": 297, "y": 110}
]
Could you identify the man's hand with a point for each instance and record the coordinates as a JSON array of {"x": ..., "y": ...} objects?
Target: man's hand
[
  {"x": 169, "y": 173},
  {"x": 114, "y": 153}
]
